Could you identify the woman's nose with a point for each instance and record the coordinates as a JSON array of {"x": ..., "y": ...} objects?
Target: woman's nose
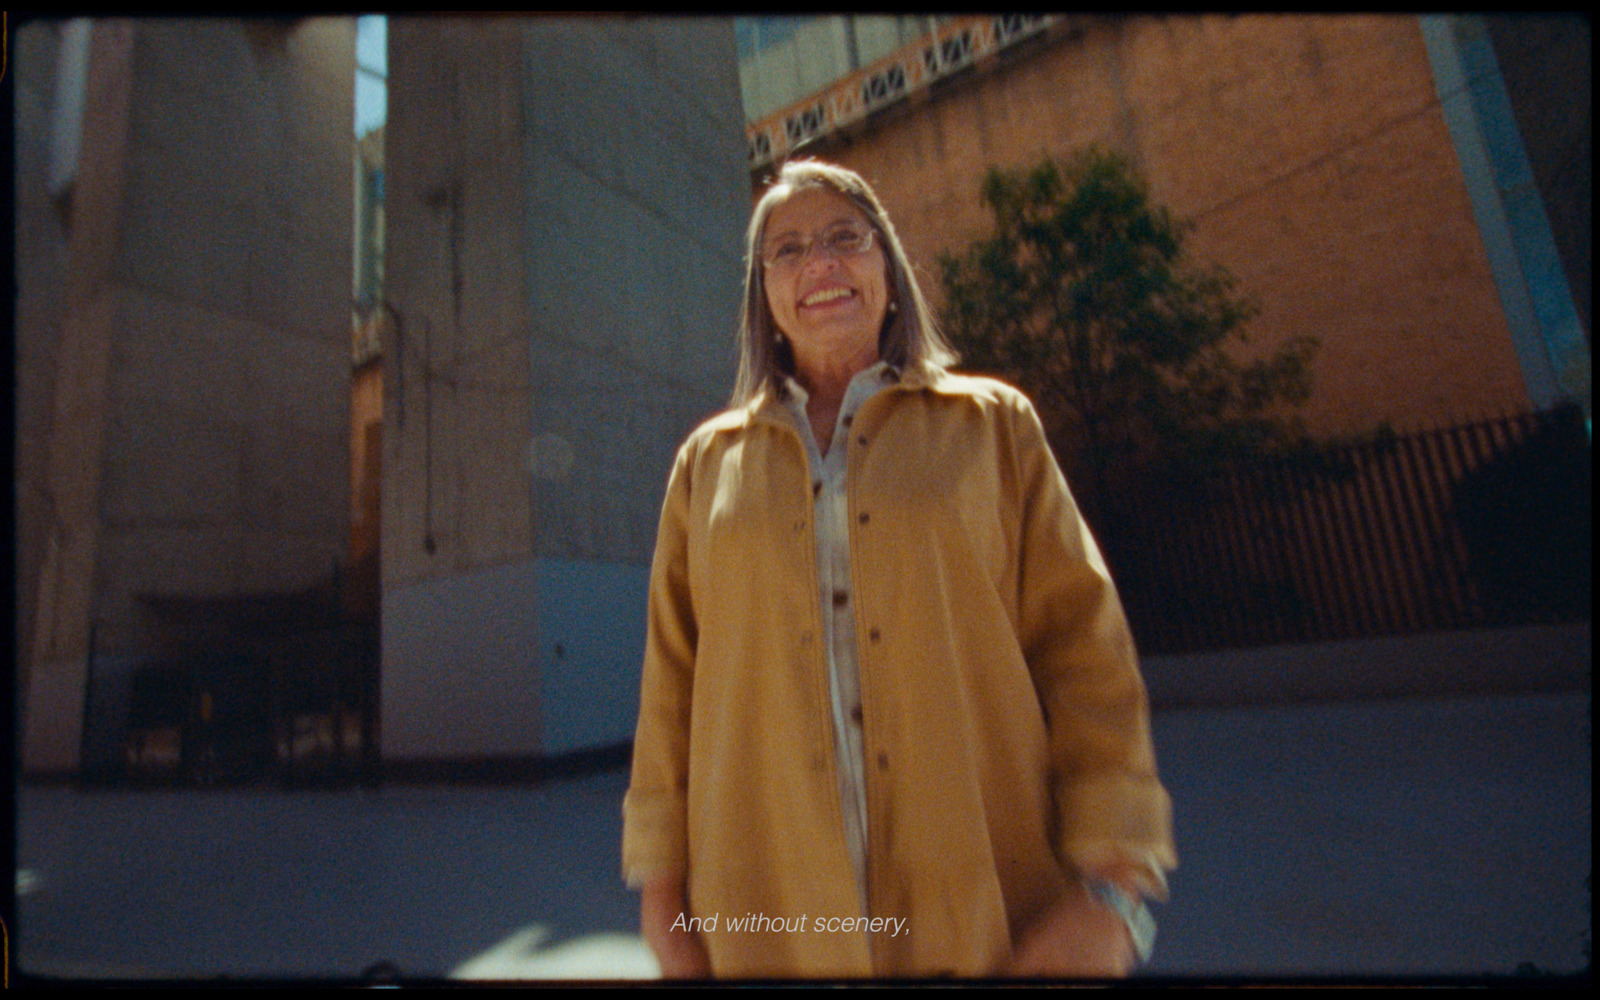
[{"x": 817, "y": 255}]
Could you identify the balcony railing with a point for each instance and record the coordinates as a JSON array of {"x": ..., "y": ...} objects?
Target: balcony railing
[{"x": 878, "y": 85}]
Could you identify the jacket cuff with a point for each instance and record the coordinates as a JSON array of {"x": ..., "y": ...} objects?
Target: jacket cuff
[
  {"x": 1132, "y": 812},
  {"x": 1119, "y": 863},
  {"x": 653, "y": 837}
]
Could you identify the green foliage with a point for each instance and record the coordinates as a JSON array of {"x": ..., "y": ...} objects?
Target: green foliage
[{"x": 1083, "y": 297}]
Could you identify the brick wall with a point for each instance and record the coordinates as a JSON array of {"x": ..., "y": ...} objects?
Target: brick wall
[{"x": 1309, "y": 151}]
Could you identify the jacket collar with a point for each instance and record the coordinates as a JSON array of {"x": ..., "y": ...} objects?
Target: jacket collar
[{"x": 768, "y": 404}]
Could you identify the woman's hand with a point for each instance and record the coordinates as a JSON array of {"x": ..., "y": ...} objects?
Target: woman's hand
[
  {"x": 1078, "y": 937},
  {"x": 681, "y": 953}
]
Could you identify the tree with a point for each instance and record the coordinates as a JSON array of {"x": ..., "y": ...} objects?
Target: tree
[{"x": 1084, "y": 298}]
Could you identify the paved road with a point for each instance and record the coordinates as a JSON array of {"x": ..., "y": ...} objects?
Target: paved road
[{"x": 1420, "y": 837}]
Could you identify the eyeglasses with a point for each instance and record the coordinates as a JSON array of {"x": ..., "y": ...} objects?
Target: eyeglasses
[{"x": 843, "y": 240}]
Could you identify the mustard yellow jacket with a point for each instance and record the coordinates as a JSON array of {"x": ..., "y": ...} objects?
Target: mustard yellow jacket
[{"x": 1005, "y": 721}]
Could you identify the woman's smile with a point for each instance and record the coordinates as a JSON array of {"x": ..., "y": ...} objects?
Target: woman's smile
[{"x": 827, "y": 296}]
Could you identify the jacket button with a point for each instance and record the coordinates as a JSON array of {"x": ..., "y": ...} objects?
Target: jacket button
[
  {"x": 862, "y": 440},
  {"x": 816, "y": 488},
  {"x": 874, "y": 635},
  {"x": 864, "y": 517},
  {"x": 848, "y": 418},
  {"x": 883, "y": 761}
]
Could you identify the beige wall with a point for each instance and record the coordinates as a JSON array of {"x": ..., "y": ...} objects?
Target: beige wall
[
  {"x": 1312, "y": 155},
  {"x": 564, "y": 204},
  {"x": 455, "y": 494},
  {"x": 40, "y": 227},
  {"x": 197, "y": 424}
]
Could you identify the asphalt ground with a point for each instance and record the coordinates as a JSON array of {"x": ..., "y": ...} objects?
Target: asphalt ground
[{"x": 1435, "y": 839}]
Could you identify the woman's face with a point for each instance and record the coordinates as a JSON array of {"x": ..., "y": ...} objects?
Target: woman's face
[{"x": 830, "y": 305}]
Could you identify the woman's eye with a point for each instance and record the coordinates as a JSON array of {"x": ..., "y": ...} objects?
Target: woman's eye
[{"x": 842, "y": 240}]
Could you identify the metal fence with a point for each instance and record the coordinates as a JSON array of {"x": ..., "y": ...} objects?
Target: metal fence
[{"x": 1473, "y": 526}]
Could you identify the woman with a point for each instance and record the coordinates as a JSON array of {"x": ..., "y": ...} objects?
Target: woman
[{"x": 891, "y": 720}]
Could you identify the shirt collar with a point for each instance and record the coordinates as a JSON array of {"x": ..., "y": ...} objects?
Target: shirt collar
[
  {"x": 772, "y": 398},
  {"x": 883, "y": 371}
]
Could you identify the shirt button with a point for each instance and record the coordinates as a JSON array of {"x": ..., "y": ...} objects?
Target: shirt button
[
  {"x": 847, "y": 418},
  {"x": 839, "y": 598},
  {"x": 816, "y": 488},
  {"x": 855, "y": 713}
]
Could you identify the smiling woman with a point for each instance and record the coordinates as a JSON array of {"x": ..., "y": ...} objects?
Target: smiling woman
[{"x": 889, "y": 696}]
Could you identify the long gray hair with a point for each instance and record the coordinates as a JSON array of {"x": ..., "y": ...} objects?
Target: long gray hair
[{"x": 909, "y": 335}]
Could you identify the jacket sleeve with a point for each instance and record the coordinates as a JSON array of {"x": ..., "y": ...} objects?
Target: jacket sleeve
[
  {"x": 654, "y": 810},
  {"x": 1107, "y": 797}
]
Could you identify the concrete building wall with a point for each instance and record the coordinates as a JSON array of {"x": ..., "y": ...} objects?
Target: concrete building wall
[
  {"x": 456, "y": 518},
  {"x": 1310, "y": 152},
  {"x": 198, "y": 426},
  {"x": 41, "y": 228},
  {"x": 565, "y": 202}
]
